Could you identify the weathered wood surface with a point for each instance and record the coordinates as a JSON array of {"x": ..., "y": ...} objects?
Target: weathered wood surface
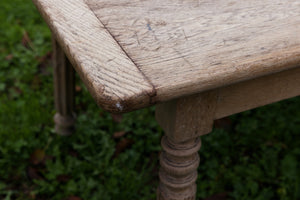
[
  {"x": 257, "y": 92},
  {"x": 187, "y": 46},
  {"x": 178, "y": 169},
  {"x": 64, "y": 86},
  {"x": 109, "y": 74},
  {"x": 183, "y": 121},
  {"x": 187, "y": 117},
  {"x": 132, "y": 53}
]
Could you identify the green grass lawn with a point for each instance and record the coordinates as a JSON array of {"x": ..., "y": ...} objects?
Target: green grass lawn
[{"x": 252, "y": 155}]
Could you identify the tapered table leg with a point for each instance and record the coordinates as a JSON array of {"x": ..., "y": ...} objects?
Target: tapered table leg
[
  {"x": 184, "y": 121},
  {"x": 64, "y": 84}
]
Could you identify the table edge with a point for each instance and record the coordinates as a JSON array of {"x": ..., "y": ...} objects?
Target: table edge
[{"x": 140, "y": 90}]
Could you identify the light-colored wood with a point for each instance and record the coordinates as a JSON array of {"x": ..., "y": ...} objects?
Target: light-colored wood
[
  {"x": 109, "y": 74},
  {"x": 257, "y": 92},
  {"x": 183, "y": 121},
  {"x": 205, "y": 59},
  {"x": 132, "y": 54},
  {"x": 178, "y": 171},
  {"x": 188, "y": 117},
  {"x": 64, "y": 85},
  {"x": 188, "y": 46}
]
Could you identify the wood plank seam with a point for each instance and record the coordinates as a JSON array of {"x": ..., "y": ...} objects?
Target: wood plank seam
[
  {"x": 111, "y": 77},
  {"x": 153, "y": 93},
  {"x": 185, "y": 48}
]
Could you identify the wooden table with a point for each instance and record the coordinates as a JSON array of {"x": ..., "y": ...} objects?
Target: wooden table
[{"x": 198, "y": 60}]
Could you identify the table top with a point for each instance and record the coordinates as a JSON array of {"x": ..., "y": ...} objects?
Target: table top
[{"x": 134, "y": 53}]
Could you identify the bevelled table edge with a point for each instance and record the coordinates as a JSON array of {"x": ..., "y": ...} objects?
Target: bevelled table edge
[
  {"x": 133, "y": 90},
  {"x": 129, "y": 87}
]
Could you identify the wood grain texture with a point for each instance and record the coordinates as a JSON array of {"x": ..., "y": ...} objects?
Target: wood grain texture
[
  {"x": 132, "y": 53},
  {"x": 183, "y": 121},
  {"x": 257, "y": 92},
  {"x": 187, "y": 117},
  {"x": 178, "y": 171},
  {"x": 188, "y": 46},
  {"x": 109, "y": 74}
]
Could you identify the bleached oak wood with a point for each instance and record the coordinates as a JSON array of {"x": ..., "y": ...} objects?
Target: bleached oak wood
[
  {"x": 188, "y": 117},
  {"x": 234, "y": 55},
  {"x": 188, "y": 46},
  {"x": 109, "y": 74},
  {"x": 183, "y": 121},
  {"x": 257, "y": 92},
  {"x": 178, "y": 172},
  {"x": 132, "y": 54},
  {"x": 64, "y": 85}
]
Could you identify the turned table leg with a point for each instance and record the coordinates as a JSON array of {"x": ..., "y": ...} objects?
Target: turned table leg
[
  {"x": 64, "y": 84},
  {"x": 184, "y": 121}
]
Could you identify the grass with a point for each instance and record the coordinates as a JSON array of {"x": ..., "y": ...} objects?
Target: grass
[{"x": 252, "y": 155}]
